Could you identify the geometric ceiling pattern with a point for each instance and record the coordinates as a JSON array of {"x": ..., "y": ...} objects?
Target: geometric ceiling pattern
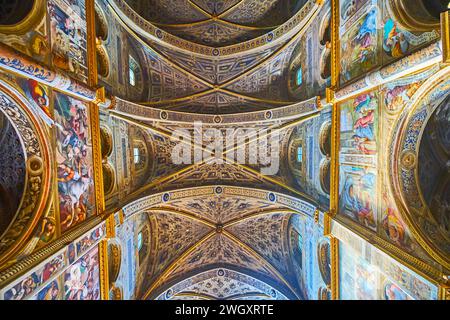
[
  {"x": 164, "y": 175},
  {"x": 196, "y": 231},
  {"x": 221, "y": 229},
  {"x": 215, "y": 22},
  {"x": 223, "y": 284},
  {"x": 247, "y": 80}
]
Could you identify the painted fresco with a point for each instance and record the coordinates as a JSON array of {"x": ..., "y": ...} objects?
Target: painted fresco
[
  {"x": 68, "y": 36},
  {"x": 398, "y": 42},
  {"x": 33, "y": 43},
  {"x": 375, "y": 276},
  {"x": 349, "y": 8},
  {"x": 359, "y": 123},
  {"x": 359, "y": 48},
  {"x": 82, "y": 279},
  {"x": 394, "y": 97},
  {"x": 74, "y": 160},
  {"x": 358, "y": 195},
  {"x": 357, "y": 158},
  {"x": 51, "y": 292},
  {"x": 89, "y": 240},
  {"x": 28, "y": 285},
  {"x": 357, "y": 278},
  {"x": 370, "y": 37},
  {"x": 38, "y": 95},
  {"x": 45, "y": 281}
]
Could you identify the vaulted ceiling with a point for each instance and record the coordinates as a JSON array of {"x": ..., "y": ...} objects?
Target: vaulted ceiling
[
  {"x": 242, "y": 230},
  {"x": 188, "y": 67},
  {"x": 216, "y": 22},
  {"x": 225, "y": 63}
]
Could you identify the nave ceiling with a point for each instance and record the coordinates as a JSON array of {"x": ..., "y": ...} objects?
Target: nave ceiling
[
  {"x": 177, "y": 74},
  {"x": 230, "y": 65},
  {"x": 216, "y": 23},
  {"x": 242, "y": 230}
]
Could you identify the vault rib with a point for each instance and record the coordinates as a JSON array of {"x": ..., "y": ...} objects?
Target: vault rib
[
  {"x": 174, "y": 264},
  {"x": 261, "y": 259}
]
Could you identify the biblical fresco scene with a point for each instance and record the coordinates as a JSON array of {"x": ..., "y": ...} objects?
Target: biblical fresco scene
[{"x": 224, "y": 150}]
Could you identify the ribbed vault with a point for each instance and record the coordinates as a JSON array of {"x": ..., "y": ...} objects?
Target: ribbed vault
[
  {"x": 245, "y": 230},
  {"x": 226, "y": 64},
  {"x": 216, "y": 22}
]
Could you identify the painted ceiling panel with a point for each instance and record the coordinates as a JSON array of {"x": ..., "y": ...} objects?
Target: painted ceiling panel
[
  {"x": 216, "y": 70},
  {"x": 221, "y": 209},
  {"x": 215, "y": 23},
  {"x": 173, "y": 236},
  {"x": 216, "y": 6},
  {"x": 220, "y": 251},
  {"x": 259, "y": 12},
  {"x": 221, "y": 284},
  {"x": 226, "y": 174},
  {"x": 268, "y": 81},
  {"x": 180, "y": 11},
  {"x": 266, "y": 234},
  {"x": 217, "y": 103},
  {"x": 166, "y": 82},
  {"x": 215, "y": 33}
]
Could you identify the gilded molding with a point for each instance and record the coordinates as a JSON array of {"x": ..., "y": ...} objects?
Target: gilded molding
[
  {"x": 334, "y": 246},
  {"x": 335, "y": 46},
  {"x": 36, "y": 196},
  {"x": 104, "y": 270},
  {"x": 97, "y": 158},
  {"x": 17, "y": 269},
  {"x": 445, "y": 36}
]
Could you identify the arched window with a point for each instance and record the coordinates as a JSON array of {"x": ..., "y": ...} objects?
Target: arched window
[
  {"x": 133, "y": 71},
  {"x": 299, "y": 77},
  {"x": 139, "y": 241},
  {"x": 136, "y": 155},
  {"x": 300, "y": 154}
]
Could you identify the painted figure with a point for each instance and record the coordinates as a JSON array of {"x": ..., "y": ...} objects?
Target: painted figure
[
  {"x": 81, "y": 281},
  {"x": 358, "y": 198},
  {"x": 363, "y": 127},
  {"x": 395, "y": 42},
  {"x": 74, "y": 172}
]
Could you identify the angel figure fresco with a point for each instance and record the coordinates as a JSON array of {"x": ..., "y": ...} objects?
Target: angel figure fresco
[
  {"x": 392, "y": 224},
  {"x": 365, "y": 38},
  {"x": 395, "y": 42},
  {"x": 37, "y": 94},
  {"x": 393, "y": 292},
  {"x": 74, "y": 172},
  {"x": 396, "y": 97},
  {"x": 51, "y": 292},
  {"x": 24, "y": 288},
  {"x": 358, "y": 198},
  {"x": 363, "y": 127},
  {"x": 81, "y": 280}
]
